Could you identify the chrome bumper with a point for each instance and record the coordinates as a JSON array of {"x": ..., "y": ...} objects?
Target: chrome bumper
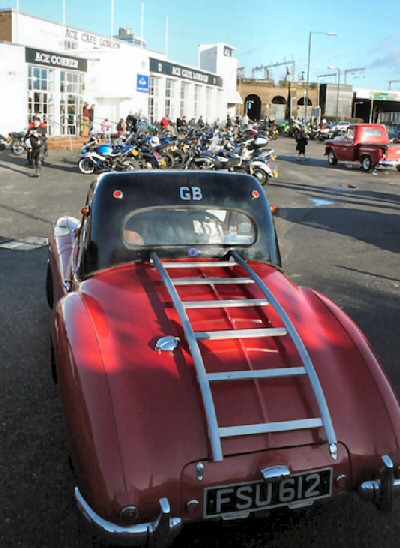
[
  {"x": 382, "y": 491},
  {"x": 159, "y": 532},
  {"x": 389, "y": 163}
]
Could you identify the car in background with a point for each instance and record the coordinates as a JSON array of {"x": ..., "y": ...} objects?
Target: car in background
[{"x": 341, "y": 127}]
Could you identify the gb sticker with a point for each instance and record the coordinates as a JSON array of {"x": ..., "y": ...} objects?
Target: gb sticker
[{"x": 190, "y": 193}]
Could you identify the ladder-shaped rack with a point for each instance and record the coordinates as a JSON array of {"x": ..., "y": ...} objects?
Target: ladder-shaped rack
[{"x": 215, "y": 432}]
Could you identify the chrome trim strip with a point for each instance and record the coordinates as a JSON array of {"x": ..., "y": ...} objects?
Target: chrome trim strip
[
  {"x": 267, "y": 428},
  {"x": 210, "y": 281},
  {"x": 205, "y": 388},
  {"x": 240, "y": 334},
  {"x": 194, "y": 264},
  {"x": 261, "y": 374},
  {"x": 315, "y": 382},
  {"x": 163, "y": 527},
  {"x": 231, "y": 303}
]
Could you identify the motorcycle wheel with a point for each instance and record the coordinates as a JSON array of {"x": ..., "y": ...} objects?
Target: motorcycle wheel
[
  {"x": 86, "y": 166},
  {"x": 169, "y": 161},
  {"x": 18, "y": 148},
  {"x": 260, "y": 175}
]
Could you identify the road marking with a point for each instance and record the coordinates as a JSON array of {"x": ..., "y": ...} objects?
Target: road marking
[{"x": 25, "y": 244}]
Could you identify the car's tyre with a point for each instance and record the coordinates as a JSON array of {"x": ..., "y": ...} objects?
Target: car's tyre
[
  {"x": 49, "y": 287},
  {"x": 260, "y": 175},
  {"x": 18, "y": 148},
  {"x": 366, "y": 163},
  {"x": 332, "y": 160},
  {"x": 86, "y": 166}
]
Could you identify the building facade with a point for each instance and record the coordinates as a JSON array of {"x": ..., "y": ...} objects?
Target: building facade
[{"x": 50, "y": 69}]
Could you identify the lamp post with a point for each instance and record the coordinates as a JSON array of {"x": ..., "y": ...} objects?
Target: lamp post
[
  {"x": 338, "y": 89},
  {"x": 308, "y": 66}
]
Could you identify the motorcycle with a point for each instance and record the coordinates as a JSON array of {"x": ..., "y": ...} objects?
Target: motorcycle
[
  {"x": 13, "y": 142},
  {"x": 16, "y": 140}
]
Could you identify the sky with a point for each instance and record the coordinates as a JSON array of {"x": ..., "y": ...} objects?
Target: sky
[{"x": 263, "y": 32}]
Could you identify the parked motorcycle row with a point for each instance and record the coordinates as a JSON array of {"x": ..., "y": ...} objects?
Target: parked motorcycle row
[
  {"x": 14, "y": 142},
  {"x": 244, "y": 152}
]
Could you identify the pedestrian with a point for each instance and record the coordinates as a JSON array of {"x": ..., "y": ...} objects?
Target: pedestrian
[
  {"x": 165, "y": 122},
  {"x": 86, "y": 120},
  {"x": 35, "y": 140},
  {"x": 200, "y": 122},
  {"x": 91, "y": 118},
  {"x": 142, "y": 124},
  {"x": 121, "y": 127},
  {"x": 301, "y": 137},
  {"x": 131, "y": 123},
  {"x": 106, "y": 129}
]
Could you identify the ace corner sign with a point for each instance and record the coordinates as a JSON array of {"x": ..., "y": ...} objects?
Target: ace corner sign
[{"x": 142, "y": 83}]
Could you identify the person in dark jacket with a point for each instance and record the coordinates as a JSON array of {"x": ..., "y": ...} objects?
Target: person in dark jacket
[
  {"x": 301, "y": 137},
  {"x": 131, "y": 123},
  {"x": 35, "y": 139}
]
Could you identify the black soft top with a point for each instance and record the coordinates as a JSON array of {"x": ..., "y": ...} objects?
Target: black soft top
[{"x": 114, "y": 197}]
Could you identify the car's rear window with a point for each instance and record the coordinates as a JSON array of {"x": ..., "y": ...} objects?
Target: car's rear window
[
  {"x": 372, "y": 132},
  {"x": 180, "y": 226}
]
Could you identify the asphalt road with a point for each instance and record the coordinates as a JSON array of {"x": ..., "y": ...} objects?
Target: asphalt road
[{"x": 339, "y": 233}]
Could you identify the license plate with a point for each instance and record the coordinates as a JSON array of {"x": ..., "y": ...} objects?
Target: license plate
[
  {"x": 276, "y": 173},
  {"x": 229, "y": 500}
]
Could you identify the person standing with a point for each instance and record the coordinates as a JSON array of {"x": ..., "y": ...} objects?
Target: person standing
[
  {"x": 86, "y": 120},
  {"x": 106, "y": 129},
  {"x": 35, "y": 139},
  {"x": 131, "y": 123},
  {"x": 121, "y": 127},
  {"x": 301, "y": 137},
  {"x": 91, "y": 118}
]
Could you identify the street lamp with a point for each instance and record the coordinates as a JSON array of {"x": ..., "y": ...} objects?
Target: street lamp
[
  {"x": 338, "y": 89},
  {"x": 308, "y": 65}
]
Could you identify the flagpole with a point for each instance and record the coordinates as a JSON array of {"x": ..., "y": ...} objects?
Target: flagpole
[
  {"x": 142, "y": 24},
  {"x": 166, "y": 36},
  {"x": 64, "y": 13},
  {"x": 112, "y": 18}
]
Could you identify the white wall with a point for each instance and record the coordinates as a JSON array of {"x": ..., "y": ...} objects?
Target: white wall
[{"x": 13, "y": 90}]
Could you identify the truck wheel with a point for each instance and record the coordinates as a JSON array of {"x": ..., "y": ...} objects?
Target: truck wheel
[
  {"x": 332, "y": 160},
  {"x": 398, "y": 168},
  {"x": 366, "y": 163}
]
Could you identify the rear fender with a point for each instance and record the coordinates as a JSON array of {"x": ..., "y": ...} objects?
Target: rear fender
[
  {"x": 88, "y": 409},
  {"x": 380, "y": 378}
]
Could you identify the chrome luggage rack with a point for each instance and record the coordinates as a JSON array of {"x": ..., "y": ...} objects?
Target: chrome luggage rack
[{"x": 215, "y": 432}]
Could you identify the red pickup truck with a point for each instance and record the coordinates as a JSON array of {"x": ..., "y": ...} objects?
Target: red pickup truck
[{"x": 368, "y": 144}]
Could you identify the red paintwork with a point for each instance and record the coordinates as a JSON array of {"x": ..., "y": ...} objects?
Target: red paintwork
[
  {"x": 358, "y": 142},
  {"x": 135, "y": 417}
]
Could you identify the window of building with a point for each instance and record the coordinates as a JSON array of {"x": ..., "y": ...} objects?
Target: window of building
[
  {"x": 183, "y": 101},
  {"x": 40, "y": 82},
  {"x": 196, "y": 101},
  {"x": 71, "y": 90},
  {"x": 169, "y": 96},
  {"x": 153, "y": 99}
]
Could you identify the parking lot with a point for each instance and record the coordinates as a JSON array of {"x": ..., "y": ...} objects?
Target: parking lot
[{"x": 339, "y": 233}]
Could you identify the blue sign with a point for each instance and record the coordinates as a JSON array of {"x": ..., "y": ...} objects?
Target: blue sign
[{"x": 142, "y": 83}]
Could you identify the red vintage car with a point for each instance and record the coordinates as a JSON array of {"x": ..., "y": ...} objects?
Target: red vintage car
[
  {"x": 365, "y": 144},
  {"x": 198, "y": 382}
]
